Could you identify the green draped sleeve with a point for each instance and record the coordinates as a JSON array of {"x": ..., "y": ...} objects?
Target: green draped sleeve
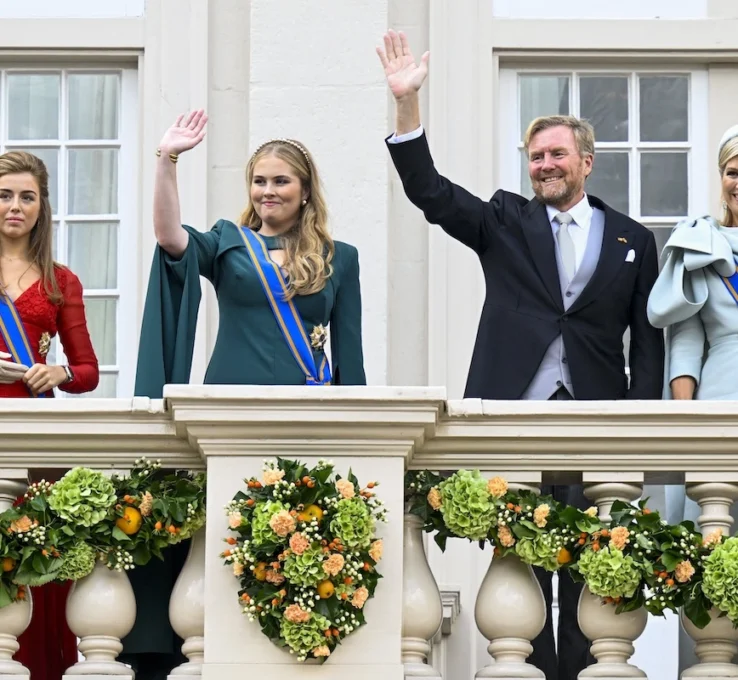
[{"x": 170, "y": 313}]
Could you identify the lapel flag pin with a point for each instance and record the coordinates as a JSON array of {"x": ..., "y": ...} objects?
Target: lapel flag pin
[{"x": 622, "y": 240}]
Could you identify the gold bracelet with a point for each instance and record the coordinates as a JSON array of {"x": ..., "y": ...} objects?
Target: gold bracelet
[{"x": 174, "y": 157}]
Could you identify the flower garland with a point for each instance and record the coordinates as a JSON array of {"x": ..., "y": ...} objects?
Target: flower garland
[
  {"x": 57, "y": 532},
  {"x": 305, "y": 554},
  {"x": 635, "y": 560}
]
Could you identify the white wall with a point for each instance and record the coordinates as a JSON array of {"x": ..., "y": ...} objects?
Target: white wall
[
  {"x": 88, "y": 9},
  {"x": 586, "y": 9}
]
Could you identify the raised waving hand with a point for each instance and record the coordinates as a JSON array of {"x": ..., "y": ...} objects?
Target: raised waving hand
[{"x": 404, "y": 76}]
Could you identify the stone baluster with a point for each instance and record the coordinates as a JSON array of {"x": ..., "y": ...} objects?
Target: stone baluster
[
  {"x": 15, "y": 618},
  {"x": 612, "y": 635},
  {"x": 511, "y": 586},
  {"x": 101, "y": 609},
  {"x": 187, "y": 609},
  {"x": 422, "y": 610},
  {"x": 716, "y": 643}
]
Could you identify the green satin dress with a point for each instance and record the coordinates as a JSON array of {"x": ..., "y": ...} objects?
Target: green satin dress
[{"x": 249, "y": 350}]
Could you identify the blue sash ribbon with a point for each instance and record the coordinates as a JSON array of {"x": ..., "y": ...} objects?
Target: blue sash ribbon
[
  {"x": 14, "y": 334},
  {"x": 285, "y": 311},
  {"x": 731, "y": 283}
]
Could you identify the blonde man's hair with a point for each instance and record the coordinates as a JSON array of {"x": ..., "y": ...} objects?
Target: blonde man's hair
[
  {"x": 727, "y": 153},
  {"x": 583, "y": 131}
]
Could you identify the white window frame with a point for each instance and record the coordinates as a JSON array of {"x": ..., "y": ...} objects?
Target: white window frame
[
  {"x": 698, "y": 151},
  {"x": 127, "y": 142}
]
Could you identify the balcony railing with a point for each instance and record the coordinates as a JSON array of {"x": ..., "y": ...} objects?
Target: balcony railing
[{"x": 613, "y": 448}]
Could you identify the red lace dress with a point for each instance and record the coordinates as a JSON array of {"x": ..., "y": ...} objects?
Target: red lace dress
[
  {"x": 40, "y": 316},
  {"x": 48, "y": 647}
]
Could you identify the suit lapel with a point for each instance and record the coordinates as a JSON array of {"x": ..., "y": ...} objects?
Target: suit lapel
[
  {"x": 538, "y": 234},
  {"x": 617, "y": 240}
]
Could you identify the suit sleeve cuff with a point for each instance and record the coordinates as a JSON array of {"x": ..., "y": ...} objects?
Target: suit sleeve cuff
[{"x": 406, "y": 137}]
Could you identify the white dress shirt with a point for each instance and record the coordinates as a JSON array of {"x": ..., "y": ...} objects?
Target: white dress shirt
[{"x": 579, "y": 228}]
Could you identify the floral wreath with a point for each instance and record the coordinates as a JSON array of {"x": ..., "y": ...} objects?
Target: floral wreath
[
  {"x": 305, "y": 554},
  {"x": 635, "y": 560},
  {"x": 58, "y": 531}
]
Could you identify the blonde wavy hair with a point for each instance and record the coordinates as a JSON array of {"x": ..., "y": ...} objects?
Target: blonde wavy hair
[
  {"x": 40, "y": 247},
  {"x": 308, "y": 245},
  {"x": 728, "y": 152}
]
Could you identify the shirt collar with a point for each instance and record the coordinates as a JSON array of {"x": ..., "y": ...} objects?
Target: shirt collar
[{"x": 581, "y": 213}]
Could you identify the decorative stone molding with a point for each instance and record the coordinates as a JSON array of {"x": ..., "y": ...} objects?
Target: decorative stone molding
[{"x": 451, "y": 600}]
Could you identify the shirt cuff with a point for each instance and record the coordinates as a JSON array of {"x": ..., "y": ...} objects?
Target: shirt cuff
[{"x": 406, "y": 137}]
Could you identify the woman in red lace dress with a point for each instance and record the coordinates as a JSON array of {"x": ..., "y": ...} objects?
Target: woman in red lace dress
[{"x": 46, "y": 298}]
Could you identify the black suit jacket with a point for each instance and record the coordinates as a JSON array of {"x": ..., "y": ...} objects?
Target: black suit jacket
[{"x": 523, "y": 310}]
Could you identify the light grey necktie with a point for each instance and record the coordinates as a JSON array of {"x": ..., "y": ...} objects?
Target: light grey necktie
[{"x": 566, "y": 244}]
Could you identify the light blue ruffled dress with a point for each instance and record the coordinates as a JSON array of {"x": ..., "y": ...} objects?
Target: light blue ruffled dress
[{"x": 691, "y": 301}]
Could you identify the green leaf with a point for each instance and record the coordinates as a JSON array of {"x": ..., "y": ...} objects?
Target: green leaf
[
  {"x": 120, "y": 536},
  {"x": 67, "y": 530},
  {"x": 670, "y": 559},
  {"x": 696, "y": 609},
  {"x": 5, "y": 598}
]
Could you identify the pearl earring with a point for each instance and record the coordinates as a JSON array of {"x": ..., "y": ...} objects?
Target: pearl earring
[{"x": 304, "y": 201}]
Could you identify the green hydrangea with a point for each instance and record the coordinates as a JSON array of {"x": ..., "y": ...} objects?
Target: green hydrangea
[
  {"x": 82, "y": 496},
  {"x": 305, "y": 637},
  {"x": 720, "y": 581},
  {"x": 78, "y": 562},
  {"x": 610, "y": 573},
  {"x": 305, "y": 569},
  {"x": 468, "y": 509},
  {"x": 261, "y": 532},
  {"x": 353, "y": 523},
  {"x": 191, "y": 526},
  {"x": 541, "y": 551}
]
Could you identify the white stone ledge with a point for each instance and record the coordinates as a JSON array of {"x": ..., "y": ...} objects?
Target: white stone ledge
[{"x": 665, "y": 440}]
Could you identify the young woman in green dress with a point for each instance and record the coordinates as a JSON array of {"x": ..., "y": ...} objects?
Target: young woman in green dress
[
  {"x": 287, "y": 214},
  {"x": 283, "y": 285}
]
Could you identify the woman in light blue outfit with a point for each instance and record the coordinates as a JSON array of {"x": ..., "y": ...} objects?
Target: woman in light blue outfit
[{"x": 695, "y": 298}]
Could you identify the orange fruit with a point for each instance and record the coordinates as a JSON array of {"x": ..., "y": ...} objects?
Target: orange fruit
[
  {"x": 325, "y": 590},
  {"x": 8, "y": 564},
  {"x": 131, "y": 521},
  {"x": 260, "y": 572},
  {"x": 310, "y": 513},
  {"x": 564, "y": 556}
]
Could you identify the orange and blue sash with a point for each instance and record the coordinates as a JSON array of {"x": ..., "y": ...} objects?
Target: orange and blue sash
[
  {"x": 731, "y": 283},
  {"x": 14, "y": 334},
  {"x": 285, "y": 311}
]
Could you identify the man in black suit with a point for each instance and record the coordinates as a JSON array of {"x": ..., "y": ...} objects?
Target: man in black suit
[{"x": 565, "y": 276}]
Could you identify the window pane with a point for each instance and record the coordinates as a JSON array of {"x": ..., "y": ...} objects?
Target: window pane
[
  {"x": 107, "y": 388},
  {"x": 542, "y": 96},
  {"x": 93, "y": 253},
  {"x": 101, "y": 321},
  {"x": 526, "y": 188},
  {"x": 664, "y": 108},
  {"x": 93, "y": 106},
  {"x": 609, "y": 180},
  {"x": 93, "y": 181},
  {"x": 604, "y": 102},
  {"x": 55, "y": 241},
  {"x": 50, "y": 157},
  {"x": 661, "y": 234},
  {"x": 664, "y": 184},
  {"x": 33, "y": 106}
]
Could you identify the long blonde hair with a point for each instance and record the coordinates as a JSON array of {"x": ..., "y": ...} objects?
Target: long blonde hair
[
  {"x": 40, "y": 247},
  {"x": 308, "y": 245},
  {"x": 728, "y": 152}
]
